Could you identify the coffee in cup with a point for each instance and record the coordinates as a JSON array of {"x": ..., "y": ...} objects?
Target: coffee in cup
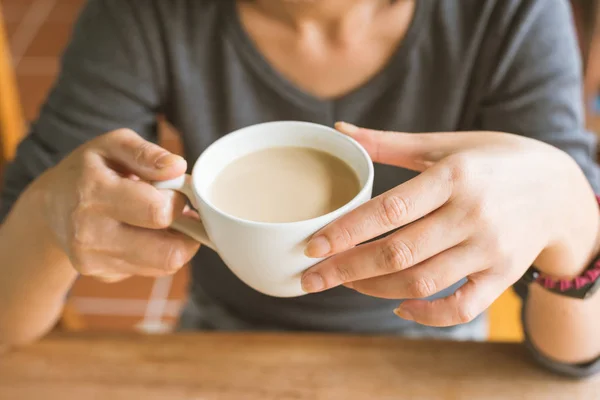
[{"x": 284, "y": 184}]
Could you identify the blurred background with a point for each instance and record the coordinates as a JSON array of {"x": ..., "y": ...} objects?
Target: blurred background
[{"x": 33, "y": 34}]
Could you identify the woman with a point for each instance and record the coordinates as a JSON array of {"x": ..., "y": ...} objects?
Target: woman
[{"x": 489, "y": 203}]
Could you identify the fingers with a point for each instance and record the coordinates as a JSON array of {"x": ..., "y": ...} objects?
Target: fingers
[
  {"x": 410, "y": 246},
  {"x": 400, "y": 206},
  {"x": 162, "y": 250},
  {"x": 407, "y": 150},
  {"x": 106, "y": 234},
  {"x": 139, "y": 157},
  {"x": 141, "y": 204},
  {"x": 116, "y": 270},
  {"x": 125, "y": 249},
  {"x": 463, "y": 306},
  {"x": 416, "y": 151},
  {"x": 427, "y": 278},
  {"x": 121, "y": 191}
]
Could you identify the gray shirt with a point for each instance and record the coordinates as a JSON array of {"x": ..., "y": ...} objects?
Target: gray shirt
[{"x": 503, "y": 65}]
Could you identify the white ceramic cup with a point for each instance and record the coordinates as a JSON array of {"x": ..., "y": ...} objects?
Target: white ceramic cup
[{"x": 268, "y": 257}]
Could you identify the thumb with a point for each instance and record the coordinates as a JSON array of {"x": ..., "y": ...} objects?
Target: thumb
[
  {"x": 140, "y": 157},
  {"x": 415, "y": 151}
]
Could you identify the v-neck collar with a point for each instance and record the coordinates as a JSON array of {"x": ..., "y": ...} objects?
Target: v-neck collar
[{"x": 377, "y": 84}]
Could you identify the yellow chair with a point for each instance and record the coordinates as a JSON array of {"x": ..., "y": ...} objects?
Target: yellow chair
[
  {"x": 12, "y": 125},
  {"x": 505, "y": 318}
]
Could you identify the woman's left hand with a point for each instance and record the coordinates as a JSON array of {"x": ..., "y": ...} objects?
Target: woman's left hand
[{"x": 485, "y": 206}]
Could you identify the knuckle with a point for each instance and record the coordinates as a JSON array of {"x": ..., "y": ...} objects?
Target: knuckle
[
  {"x": 481, "y": 215},
  {"x": 81, "y": 234},
  {"x": 465, "y": 313},
  {"x": 85, "y": 197},
  {"x": 343, "y": 272},
  {"x": 88, "y": 157},
  {"x": 422, "y": 287},
  {"x": 88, "y": 168},
  {"x": 91, "y": 176},
  {"x": 176, "y": 257},
  {"x": 90, "y": 162},
  {"x": 147, "y": 153},
  {"x": 344, "y": 236},
  {"x": 83, "y": 266},
  {"x": 500, "y": 251},
  {"x": 143, "y": 152},
  {"x": 396, "y": 255},
  {"x": 344, "y": 233},
  {"x": 494, "y": 244},
  {"x": 90, "y": 182},
  {"x": 394, "y": 210},
  {"x": 123, "y": 133},
  {"x": 83, "y": 263},
  {"x": 459, "y": 167},
  {"x": 111, "y": 278},
  {"x": 158, "y": 213}
]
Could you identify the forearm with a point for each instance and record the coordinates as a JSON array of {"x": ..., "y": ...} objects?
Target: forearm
[
  {"x": 562, "y": 328},
  {"x": 35, "y": 275}
]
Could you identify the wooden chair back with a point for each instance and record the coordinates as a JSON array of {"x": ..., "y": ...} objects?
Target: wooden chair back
[{"x": 12, "y": 124}]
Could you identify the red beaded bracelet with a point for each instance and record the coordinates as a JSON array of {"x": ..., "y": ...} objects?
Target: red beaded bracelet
[{"x": 580, "y": 287}]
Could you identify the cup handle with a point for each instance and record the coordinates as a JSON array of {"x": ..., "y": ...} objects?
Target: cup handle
[{"x": 186, "y": 225}]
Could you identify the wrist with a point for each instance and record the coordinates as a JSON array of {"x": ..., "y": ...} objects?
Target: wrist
[
  {"x": 577, "y": 242},
  {"x": 27, "y": 221},
  {"x": 574, "y": 222}
]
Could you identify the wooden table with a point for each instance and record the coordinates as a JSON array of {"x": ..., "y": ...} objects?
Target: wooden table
[{"x": 277, "y": 367}]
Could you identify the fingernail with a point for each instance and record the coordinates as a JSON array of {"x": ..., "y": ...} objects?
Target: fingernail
[
  {"x": 312, "y": 282},
  {"x": 167, "y": 160},
  {"x": 347, "y": 128},
  {"x": 403, "y": 313},
  {"x": 318, "y": 247}
]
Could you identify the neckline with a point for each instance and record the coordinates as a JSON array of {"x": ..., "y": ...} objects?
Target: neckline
[{"x": 390, "y": 71}]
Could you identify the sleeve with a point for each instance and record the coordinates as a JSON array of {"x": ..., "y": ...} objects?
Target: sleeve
[
  {"x": 535, "y": 90},
  {"x": 110, "y": 78}
]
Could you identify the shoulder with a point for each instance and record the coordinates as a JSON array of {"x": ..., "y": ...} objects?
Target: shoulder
[
  {"x": 499, "y": 34},
  {"x": 503, "y": 9},
  {"x": 146, "y": 28},
  {"x": 169, "y": 13},
  {"x": 498, "y": 17}
]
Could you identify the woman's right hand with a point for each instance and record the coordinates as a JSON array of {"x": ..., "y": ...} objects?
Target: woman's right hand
[{"x": 106, "y": 217}]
